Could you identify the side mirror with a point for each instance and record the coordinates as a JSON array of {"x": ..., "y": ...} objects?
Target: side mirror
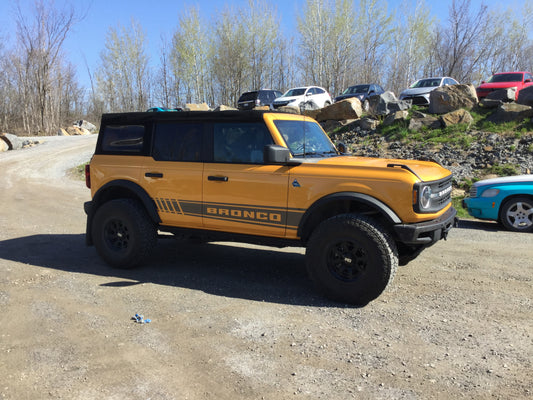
[
  {"x": 528, "y": 81},
  {"x": 482, "y": 82},
  {"x": 275, "y": 154},
  {"x": 341, "y": 147}
]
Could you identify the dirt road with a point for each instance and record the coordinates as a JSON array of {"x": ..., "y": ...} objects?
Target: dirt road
[{"x": 243, "y": 322}]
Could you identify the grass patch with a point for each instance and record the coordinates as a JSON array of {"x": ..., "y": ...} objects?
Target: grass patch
[
  {"x": 461, "y": 212},
  {"x": 77, "y": 173},
  {"x": 504, "y": 170}
]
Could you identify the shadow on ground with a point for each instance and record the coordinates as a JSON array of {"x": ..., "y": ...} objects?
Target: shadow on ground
[
  {"x": 489, "y": 226},
  {"x": 260, "y": 274}
]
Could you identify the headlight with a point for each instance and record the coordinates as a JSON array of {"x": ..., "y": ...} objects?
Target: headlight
[
  {"x": 490, "y": 193},
  {"x": 425, "y": 197}
]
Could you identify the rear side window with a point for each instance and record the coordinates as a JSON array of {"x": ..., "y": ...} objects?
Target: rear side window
[
  {"x": 123, "y": 139},
  {"x": 177, "y": 142}
]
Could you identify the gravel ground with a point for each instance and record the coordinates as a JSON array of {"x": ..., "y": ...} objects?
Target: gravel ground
[{"x": 233, "y": 321}]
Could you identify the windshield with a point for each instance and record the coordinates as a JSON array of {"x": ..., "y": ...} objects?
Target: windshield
[
  {"x": 426, "y": 83},
  {"x": 356, "y": 89},
  {"x": 305, "y": 138},
  {"x": 505, "y": 78},
  {"x": 294, "y": 92}
]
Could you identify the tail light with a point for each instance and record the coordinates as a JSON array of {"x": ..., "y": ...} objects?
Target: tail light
[{"x": 88, "y": 175}]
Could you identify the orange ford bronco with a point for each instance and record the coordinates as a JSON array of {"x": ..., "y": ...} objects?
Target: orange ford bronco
[{"x": 266, "y": 178}]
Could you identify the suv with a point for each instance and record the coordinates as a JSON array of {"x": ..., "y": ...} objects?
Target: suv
[
  {"x": 266, "y": 178},
  {"x": 298, "y": 96},
  {"x": 257, "y": 98}
]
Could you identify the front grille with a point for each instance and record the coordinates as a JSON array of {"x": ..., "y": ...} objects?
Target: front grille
[
  {"x": 441, "y": 194},
  {"x": 280, "y": 104}
]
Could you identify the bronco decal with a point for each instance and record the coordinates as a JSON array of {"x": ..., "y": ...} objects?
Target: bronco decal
[{"x": 270, "y": 216}]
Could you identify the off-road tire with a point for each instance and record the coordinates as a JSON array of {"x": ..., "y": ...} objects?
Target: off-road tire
[
  {"x": 517, "y": 214},
  {"x": 123, "y": 233},
  {"x": 351, "y": 258}
]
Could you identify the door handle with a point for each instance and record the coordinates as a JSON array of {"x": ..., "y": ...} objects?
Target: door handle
[
  {"x": 217, "y": 178},
  {"x": 153, "y": 175}
]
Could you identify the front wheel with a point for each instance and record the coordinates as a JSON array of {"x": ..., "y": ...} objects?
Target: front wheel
[
  {"x": 351, "y": 258},
  {"x": 123, "y": 233},
  {"x": 517, "y": 214}
]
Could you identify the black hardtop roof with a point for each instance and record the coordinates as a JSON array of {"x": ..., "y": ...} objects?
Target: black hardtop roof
[{"x": 197, "y": 116}]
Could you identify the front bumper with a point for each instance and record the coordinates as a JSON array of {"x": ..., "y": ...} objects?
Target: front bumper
[{"x": 426, "y": 233}]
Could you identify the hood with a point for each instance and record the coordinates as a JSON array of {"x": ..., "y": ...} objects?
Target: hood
[
  {"x": 498, "y": 85},
  {"x": 289, "y": 99},
  {"x": 348, "y": 96},
  {"x": 417, "y": 91},
  {"x": 505, "y": 179},
  {"x": 425, "y": 171}
]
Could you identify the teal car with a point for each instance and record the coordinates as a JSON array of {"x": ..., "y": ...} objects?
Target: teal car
[{"x": 508, "y": 200}]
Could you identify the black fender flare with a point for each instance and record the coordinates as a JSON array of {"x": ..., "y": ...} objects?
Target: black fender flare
[
  {"x": 362, "y": 198},
  {"x": 117, "y": 189}
]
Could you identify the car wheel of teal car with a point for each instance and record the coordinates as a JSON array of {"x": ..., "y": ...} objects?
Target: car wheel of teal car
[{"x": 517, "y": 214}]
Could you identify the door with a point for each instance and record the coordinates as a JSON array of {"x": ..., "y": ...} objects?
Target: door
[
  {"x": 241, "y": 193},
  {"x": 173, "y": 175}
]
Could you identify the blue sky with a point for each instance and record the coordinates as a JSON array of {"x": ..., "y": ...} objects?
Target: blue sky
[{"x": 160, "y": 17}]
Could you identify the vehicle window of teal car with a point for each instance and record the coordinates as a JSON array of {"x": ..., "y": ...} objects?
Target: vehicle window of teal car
[{"x": 305, "y": 138}]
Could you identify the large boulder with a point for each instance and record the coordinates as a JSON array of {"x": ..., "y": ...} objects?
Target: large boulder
[
  {"x": 77, "y": 131},
  {"x": 505, "y": 95},
  {"x": 3, "y": 145},
  {"x": 223, "y": 107},
  {"x": 430, "y": 122},
  {"x": 85, "y": 125},
  {"x": 13, "y": 142},
  {"x": 345, "y": 109},
  {"x": 456, "y": 117},
  {"x": 196, "y": 107},
  {"x": 525, "y": 96},
  {"x": 453, "y": 97},
  {"x": 395, "y": 117},
  {"x": 511, "y": 112},
  {"x": 386, "y": 103},
  {"x": 292, "y": 110}
]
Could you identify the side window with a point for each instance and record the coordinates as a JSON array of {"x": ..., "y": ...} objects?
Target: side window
[
  {"x": 177, "y": 142},
  {"x": 319, "y": 91},
  {"x": 240, "y": 142},
  {"x": 123, "y": 139}
]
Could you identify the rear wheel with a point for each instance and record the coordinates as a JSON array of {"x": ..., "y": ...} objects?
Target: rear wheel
[
  {"x": 517, "y": 214},
  {"x": 351, "y": 258},
  {"x": 123, "y": 233}
]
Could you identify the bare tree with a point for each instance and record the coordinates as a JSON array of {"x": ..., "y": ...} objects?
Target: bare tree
[
  {"x": 189, "y": 58},
  {"x": 123, "y": 76},
  {"x": 374, "y": 30},
  {"x": 459, "y": 48},
  {"x": 40, "y": 65},
  {"x": 327, "y": 39},
  {"x": 410, "y": 46}
]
